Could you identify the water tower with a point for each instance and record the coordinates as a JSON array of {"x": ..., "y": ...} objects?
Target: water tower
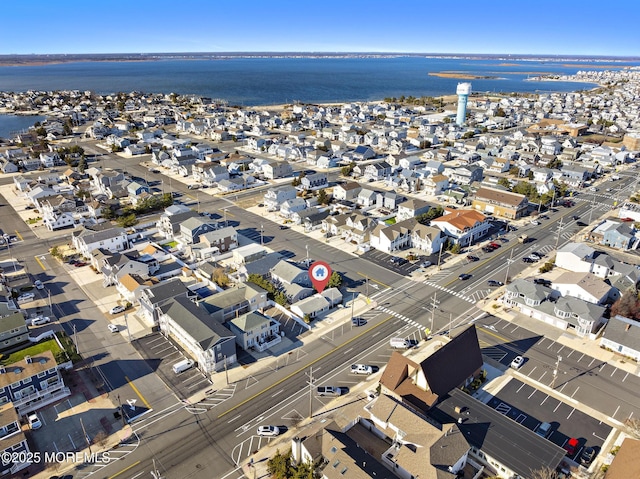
[{"x": 463, "y": 91}]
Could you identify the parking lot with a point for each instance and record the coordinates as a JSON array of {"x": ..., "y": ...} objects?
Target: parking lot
[
  {"x": 161, "y": 354},
  {"x": 63, "y": 422},
  {"x": 385, "y": 260},
  {"x": 530, "y": 407}
]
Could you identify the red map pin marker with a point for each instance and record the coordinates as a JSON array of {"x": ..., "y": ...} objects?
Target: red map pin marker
[{"x": 319, "y": 272}]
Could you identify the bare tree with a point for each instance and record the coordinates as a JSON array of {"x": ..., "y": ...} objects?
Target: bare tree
[{"x": 544, "y": 473}]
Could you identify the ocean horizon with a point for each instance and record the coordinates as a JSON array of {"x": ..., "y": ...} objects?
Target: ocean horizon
[{"x": 273, "y": 81}]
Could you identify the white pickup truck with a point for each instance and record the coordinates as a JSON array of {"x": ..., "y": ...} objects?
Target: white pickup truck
[
  {"x": 361, "y": 369},
  {"x": 328, "y": 391}
]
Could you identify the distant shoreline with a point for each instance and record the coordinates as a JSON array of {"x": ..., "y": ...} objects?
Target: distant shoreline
[
  {"x": 52, "y": 59},
  {"x": 462, "y": 76}
]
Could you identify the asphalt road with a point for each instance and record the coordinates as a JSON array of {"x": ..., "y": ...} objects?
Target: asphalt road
[{"x": 406, "y": 308}]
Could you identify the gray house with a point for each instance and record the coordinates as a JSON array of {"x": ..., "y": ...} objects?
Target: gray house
[
  {"x": 622, "y": 336},
  {"x": 254, "y": 330},
  {"x": 207, "y": 341}
]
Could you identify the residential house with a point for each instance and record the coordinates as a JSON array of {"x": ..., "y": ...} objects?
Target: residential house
[
  {"x": 411, "y": 209},
  {"x": 115, "y": 266},
  {"x": 346, "y": 191},
  {"x": 465, "y": 175},
  {"x": 14, "y": 449},
  {"x": 8, "y": 166},
  {"x": 377, "y": 171},
  {"x": 585, "y": 286},
  {"x": 289, "y": 207},
  {"x": 192, "y": 228},
  {"x": 576, "y": 257},
  {"x": 363, "y": 152},
  {"x": 615, "y": 234},
  {"x": 210, "y": 173},
  {"x": 152, "y": 297},
  {"x": 574, "y": 175},
  {"x": 32, "y": 383},
  {"x": 277, "y": 169},
  {"x": 500, "y": 202},
  {"x": 287, "y": 273},
  {"x": 207, "y": 341},
  {"x": 234, "y": 302},
  {"x": 464, "y": 227},
  {"x": 622, "y": 336},
  {"x": 314, "y": 181},
  {"x": 367, "y": 197},
  {"x": 256, "y": 331},
  {"x": 436, "y": 184},
  {"x": 13, "y": 331},
  {"x": 356, "y": 228},
  {"x": 169, "y": 223},
  {"x": 130, "y": 287},
  {"x": 427, "y": 239},
  {"x": 538, "y": 302},
  {"x": 311, "y": 307},
  {"x": 275, "y": 197},
  {"x": 112, "y": 239},
  {"x": 213, "y": 243}
]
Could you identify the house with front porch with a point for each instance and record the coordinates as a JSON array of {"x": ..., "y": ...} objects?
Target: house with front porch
[
  {"x": 435, "y": 184},
  {"x": 151, "y": 297},
  {"x": 255, "y": 330},
  {"x": 203, "y": 338},
  {"x": 213, "y": 243},
  {"x": 314, "y": 181}
]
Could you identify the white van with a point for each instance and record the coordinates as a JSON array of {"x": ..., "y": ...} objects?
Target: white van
[
  {"x": 182, "y": 366},
  {"x": 399, "y": 343}
]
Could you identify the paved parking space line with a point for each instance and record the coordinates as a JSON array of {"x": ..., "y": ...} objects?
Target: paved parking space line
[
  {"x": 572, "y": 410},
  {"x": 521, "y": 386},
  {"x": 614, "y": 370},
  {"x": 544, "y": 400},
  {"x": 561, "y": 348},
  {"x": 164, "y": 349},
  {"x": 601, "y": 367},
  {"x": 571, "y": 352},
  {"x": 534, "y": 368},
  {"x": 574, "y": 392},
  {"x": 592, "y": 360},
  {"x": 532, "y": 392},
  {"x": 551, "y": 344},
  {"x": 503, "y": 408},
  {"x": 580, "y": 358},
  {"x": 559, "y": 404},
  {"x": 521, "y": 418},
  {"x": 625, "y": 377},
  {"x": 614, "y": 414},
  {"x": 563, "y": 386}
]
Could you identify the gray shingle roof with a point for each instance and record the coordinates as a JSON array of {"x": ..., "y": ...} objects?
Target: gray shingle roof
[{"x": 623, "y": 331}]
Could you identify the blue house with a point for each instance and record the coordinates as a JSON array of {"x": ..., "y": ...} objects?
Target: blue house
[
  {"x": 32, "y": 383},
  {"x": 13, "y": 442}
]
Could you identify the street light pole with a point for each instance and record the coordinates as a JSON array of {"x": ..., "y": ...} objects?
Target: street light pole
[
  {"x": 440, "y": 255},
  {"x": 555, "y": 372},
  {"x": 226, "y": 371},
  {"x": 261, "y": 235},
  {"x": 506, "y": 279}
]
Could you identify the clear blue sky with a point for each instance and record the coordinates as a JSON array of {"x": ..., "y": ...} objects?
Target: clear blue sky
[{"x": 586, "y": 27}]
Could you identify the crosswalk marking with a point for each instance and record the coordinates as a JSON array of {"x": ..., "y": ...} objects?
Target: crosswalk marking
[
  {"x": 450, "y": 291},
  {"x": 399, "y": 316}
]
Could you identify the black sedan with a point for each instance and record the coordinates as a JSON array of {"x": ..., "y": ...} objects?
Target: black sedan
[{"x": 464, "y": 276}]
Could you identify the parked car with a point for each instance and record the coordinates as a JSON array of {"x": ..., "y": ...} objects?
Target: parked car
[
  {"x": 358, "y": 321},
  {"x": 571, "y": 446},
  {"x": 587, "y": 456},
  {"x": 397, "y": 260},
  {"x": 535, "y": 254},
  {"x": 268, "y": 431},
  {"x": 493, "y": 282},
  {"x": 79, "y": 264},
  {"x": 543, "y": 282},
  {"x": 425, "y": 264},
  {"x": 464, "y": 276},
  {"x": 113, "y": 328},
  {"x": 361, "y": 369},
  {"x": 328, "y": 391},
  {"x": 117, "y": 309},
  {"x": 487, "y": 249},
  {"x": 575, "y": 217},
  {"x": 40, "y": 320},
  {"x": 24, "y": 297},
  {"x": 543, "y": 429},
  {"x": 34, "y": 421},
  {"x": 535, "y": 223},
  {"x": 38, "y": 284},
  {"x": 473, "y": 258},
  {"x": 517, "y": 362},
  {"x": 528, "y": 260},
  {"x": 495, "y": 245}
]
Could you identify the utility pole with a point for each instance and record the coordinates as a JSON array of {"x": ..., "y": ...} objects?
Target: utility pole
[
  {"x": 558, "y": 233},
  {"x": 593, "y": 205},
  {"x": 506, "y": 278},
  {"x": 226, "y": 371},
  {"x": 261, "y": 235},
  {"x": 86, "y": 436},
  {"x": 310, "y": 392},
  {"x": 49, "y": 296},
  {"x": 75, "y": 339},
  {"x": 440, "y": 255},
  {"x": 353, "y": 302},
  {"x": 434, "y": 305},
  {"x": 124, "y": 422}
]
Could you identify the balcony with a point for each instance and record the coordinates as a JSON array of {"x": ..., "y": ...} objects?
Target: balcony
[{"x": 268, "y": 342}]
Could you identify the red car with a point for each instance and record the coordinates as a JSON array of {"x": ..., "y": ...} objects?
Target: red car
[
  {"x": 571, "y": 446},
  {"x": 79, "y": 264},
  {"x": 495, "y": 245}
]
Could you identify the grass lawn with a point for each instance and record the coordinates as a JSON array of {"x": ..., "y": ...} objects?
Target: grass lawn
[
  {"x": 390, "y": 221},
  {"x": 32, "y": 351}
]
